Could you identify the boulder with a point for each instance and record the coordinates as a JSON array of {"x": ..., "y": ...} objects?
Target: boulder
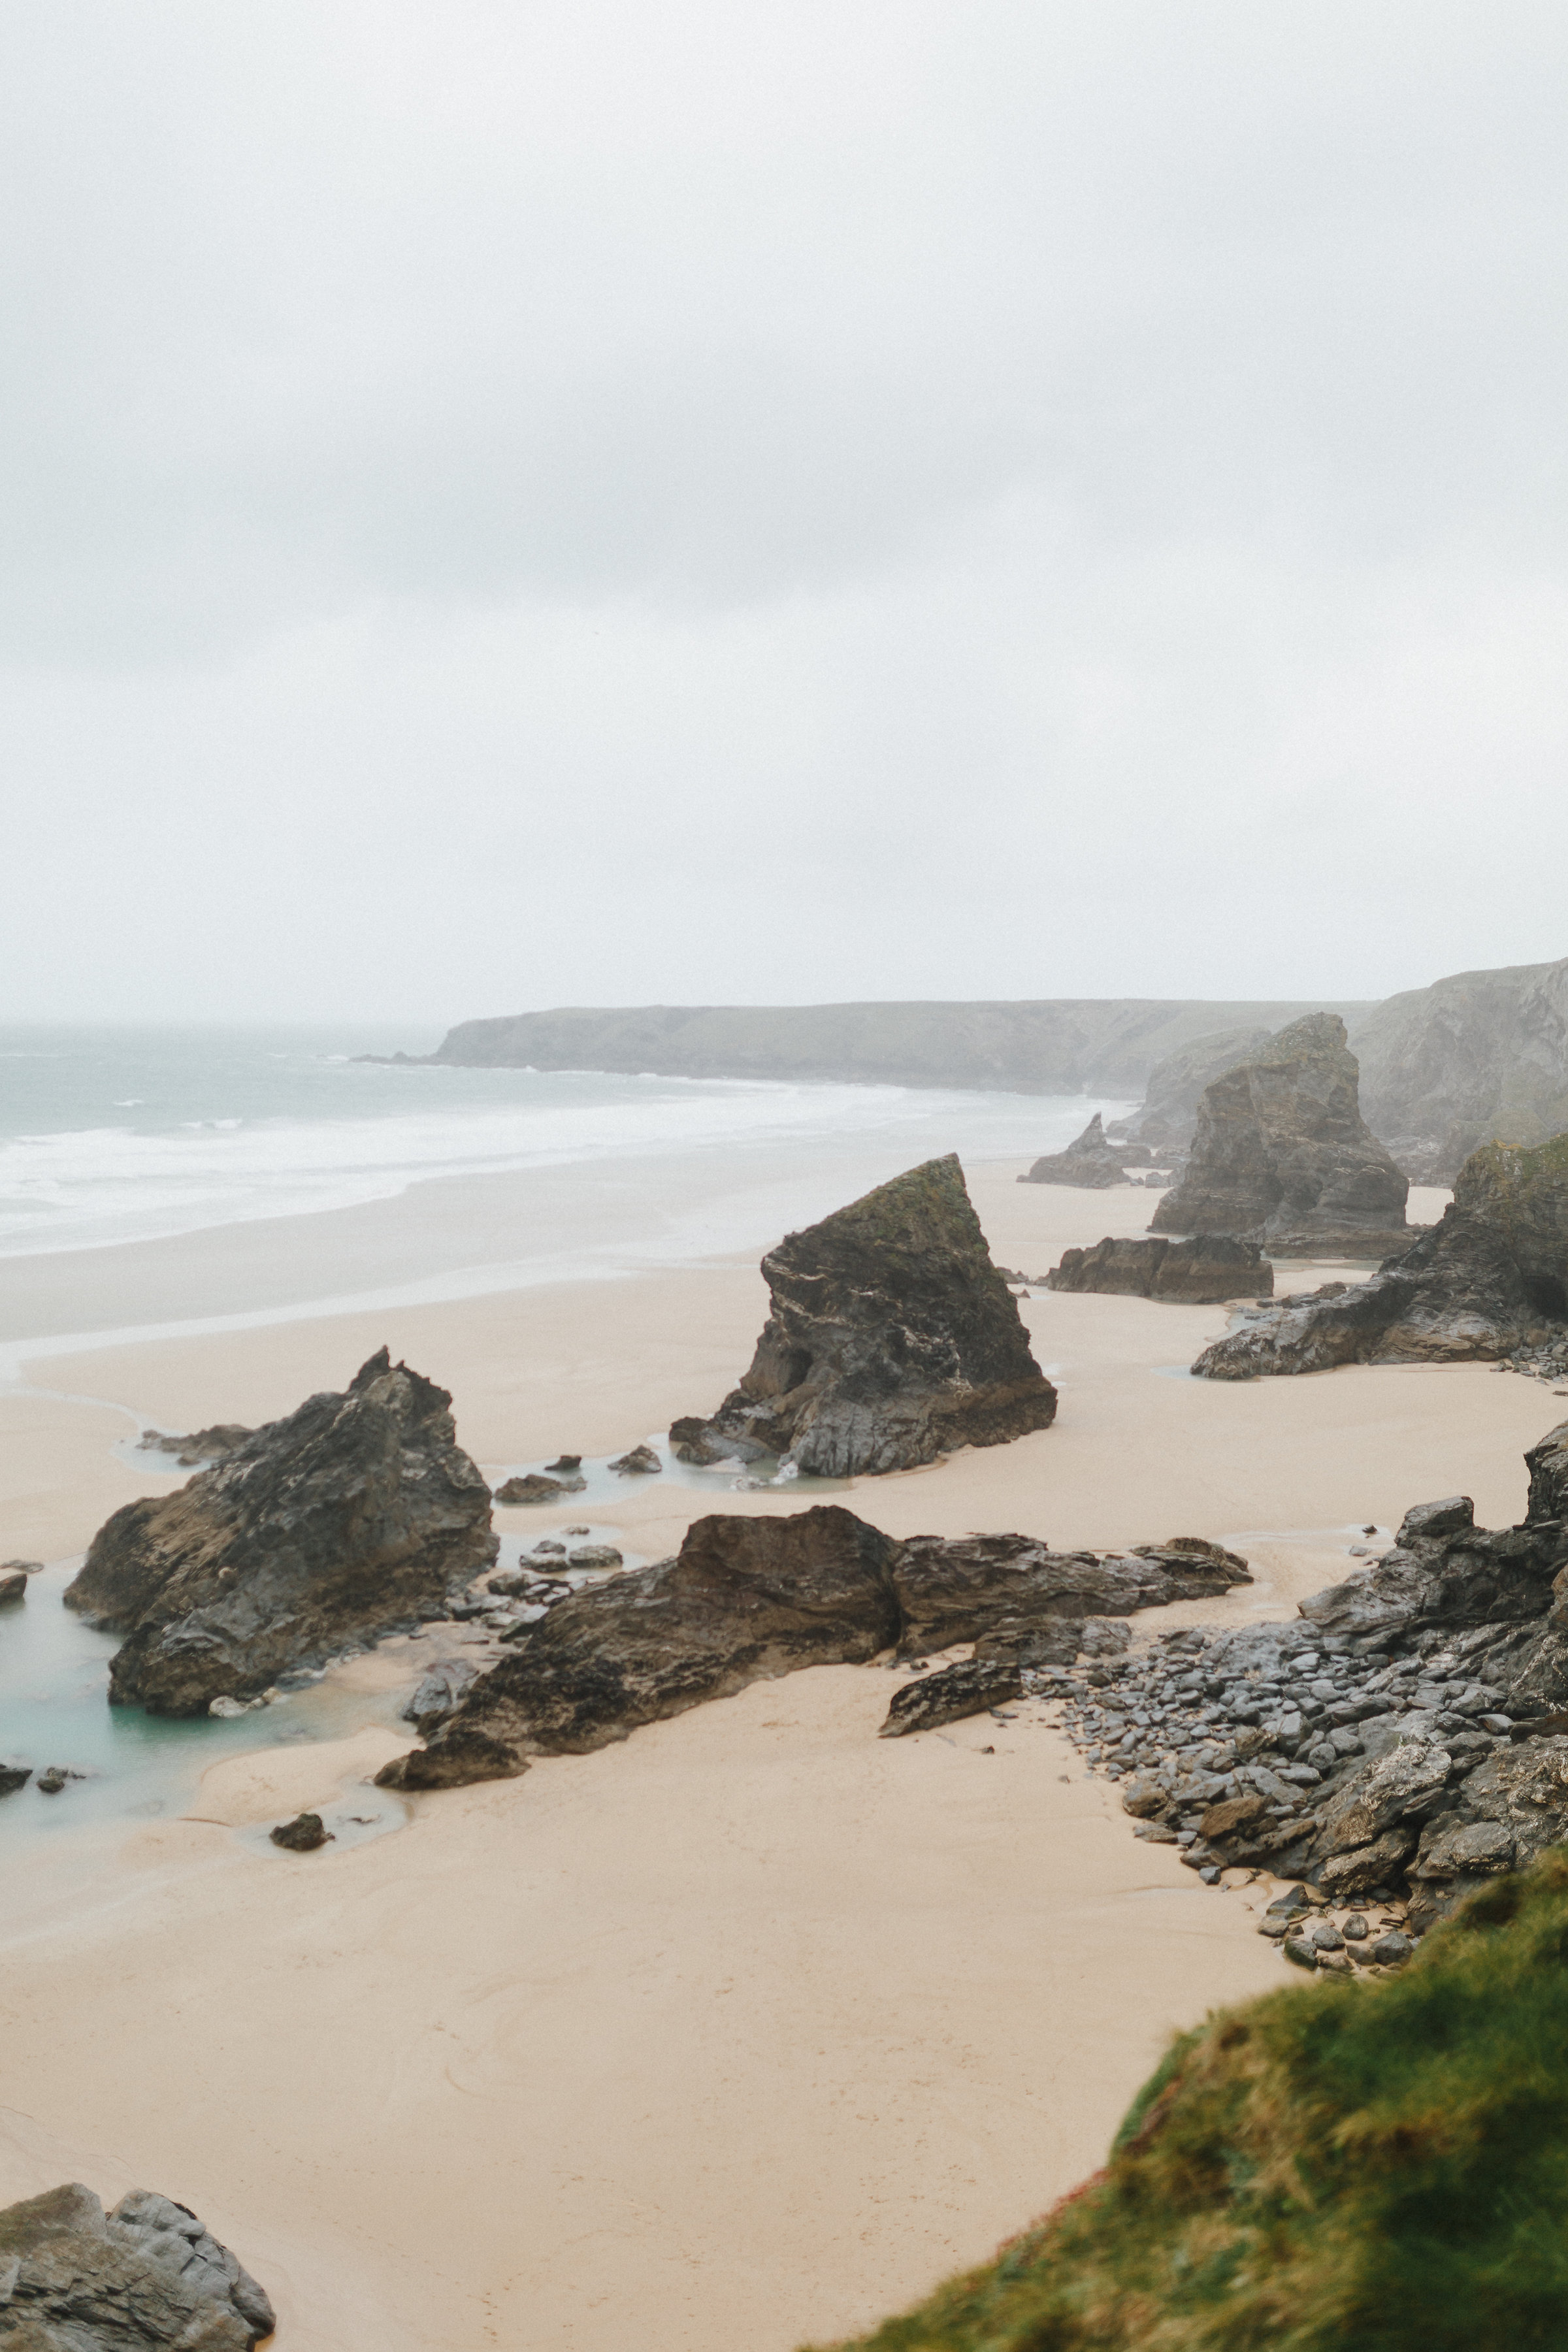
[
  {"x": 892, "y": 1339},
  {"x": 357, "y": 1517},
  {"x": 147, "y": 2278},
  {"x": 14, "y": 1777},
  {"x": 747, "y": 1598},
  {"x": 1201, "y": 1272},
  {"x": 641, "y": 1462},
  {"x": 438, "y": 1692},
  {"x": 536, "y": 1488},
  {"x": 743, "y": 1598},
  {"x": 1490, "y": 1278},
  {"x": 1090, "y": 1163},
  {"x": 967, "y": 1689},
  {"x": 303, "y": 1834},
  {"x": 1282, "y": 1156},
  {"x": 13, "y": 1586}
]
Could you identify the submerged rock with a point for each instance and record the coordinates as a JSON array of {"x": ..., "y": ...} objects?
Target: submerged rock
[
  {"x": 358, "y": 1516},
  {"x": 641, "y": 1462},
  {"x": 303, "y": 1834},
  {"x": 537, "y": 1488},
  {"x": 147, "y": 2278},
  {"x": 1089, "y": 1163},
  {"x": 13, "y": 1586},
  {"x": 747, "y": 1598},
  {"x": 14, "y": 1777},
  {"x": 892, "y": 1339},
  {"x": 1283, "y": 1157},
  {"x": 214, "y": 1444},
  {"x": 1491, "y": 1278},
  {"x": 1202, "y": 1272}
]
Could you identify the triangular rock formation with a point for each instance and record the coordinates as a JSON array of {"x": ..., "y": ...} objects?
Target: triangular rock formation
[
  {"x": 1089, "y": 1162},
  {"x": 1282, "y": 1155},
  {"x": 892, "y": 1339}
]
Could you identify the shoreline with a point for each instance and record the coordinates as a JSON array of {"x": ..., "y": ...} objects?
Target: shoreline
[{"x": 753, "y": 2026}]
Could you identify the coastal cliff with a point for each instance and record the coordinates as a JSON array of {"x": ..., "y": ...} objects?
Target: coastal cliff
[
  {"x": 1052, "y": 1045},
  {"x": 1479, "y": 1057}
]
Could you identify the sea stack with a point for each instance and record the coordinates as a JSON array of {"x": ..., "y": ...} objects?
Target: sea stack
[
  {"x": 1490, "y": 1279},
  {"x": 1089, "y": 1163},
  {"x": 1282, "y": 1156},
  {"x": 892, "y": 1339},
  {"x": 356, "y": 1517}
]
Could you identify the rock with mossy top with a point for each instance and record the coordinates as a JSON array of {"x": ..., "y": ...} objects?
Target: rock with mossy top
[
  {"x": 1283, "y": 1157},
  {"x": 1489, "y": 1281},
  {"x": 892, "y": 1339}
]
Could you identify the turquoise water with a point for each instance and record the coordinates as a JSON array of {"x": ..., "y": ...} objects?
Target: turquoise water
[{"x": 54, "y": 1709}]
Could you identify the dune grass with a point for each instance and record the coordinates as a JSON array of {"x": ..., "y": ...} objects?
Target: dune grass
[{"x": 1334, "y": 2168}]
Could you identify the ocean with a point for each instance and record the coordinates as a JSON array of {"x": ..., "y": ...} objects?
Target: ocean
[{"x": 110, "y": 1135}]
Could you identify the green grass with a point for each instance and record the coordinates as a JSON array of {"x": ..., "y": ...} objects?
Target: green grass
[{"x": 1335, "y": 2167}]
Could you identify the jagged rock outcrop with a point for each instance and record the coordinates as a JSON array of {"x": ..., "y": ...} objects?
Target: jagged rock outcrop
[
  {"x": 1490, "y": 1278},
  {"x": 1478, "y": 1057},
  {"x": 747, "y": 1598},
  {"x": 1406, "y": 1729},
  {"x": 145, "y": 2278},
  {"x": 1201, "y": 1272},
  {"x": 1168, "y": 1114},
  {"x": 1088, "y": 1163},
  {"x": 892, "y": 1339},
  {"x": 356, "y": 1517},
  {"x": 1282, "y": 1156}
]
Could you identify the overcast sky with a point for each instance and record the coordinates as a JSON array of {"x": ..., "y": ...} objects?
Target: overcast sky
[{"x": 603, "y": 501}]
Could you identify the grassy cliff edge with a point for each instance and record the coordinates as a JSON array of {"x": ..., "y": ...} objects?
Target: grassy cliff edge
[{"x": 1337, "y": 2167}]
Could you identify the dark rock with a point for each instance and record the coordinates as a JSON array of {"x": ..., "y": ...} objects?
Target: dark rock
[
  {"x": 1491, "y": 1278},
  {"x": 567, "y": 1461},
  {"x": 745, "y": 1598},
  {"x": 147, "y": 2278},
  {"x": 536, "y": 1489},
  {"x": 956, "y": 1590},
  {"x": 13, "y": 1586},
  {"x": 1201, "y": 1272},
  {"x": 214, "y": 1444},
  {"x": 1090, "y": 1163},
  {"x": 356, "y": 1517},
  {"x": 594, "y": 1556},
  {"x": 1231, "y": 1815},
  {"x": 968, "y": 1688},
  {"x": 1393, "y": 1950},
  {"x": 1282, "y": 1156},
  {"x": 1365, "y": 1868},
  {"x": 640, "y": 1461},
  {"x": 14, "y": 1777},
  {"x": 892, "y": 1339},
  {"x": 303, "y": 1834},
  {"x": 439, "y": 1693},
  {"x": 51, "y": 1782},
  {"x": 752, "y": 1597}
]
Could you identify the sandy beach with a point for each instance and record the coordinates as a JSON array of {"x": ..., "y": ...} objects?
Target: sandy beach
[{"x": 745, "y": 2030}]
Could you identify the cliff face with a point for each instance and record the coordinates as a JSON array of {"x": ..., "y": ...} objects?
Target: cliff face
[
  {"x": 892, "y": 1337},
  {"x": 1053, "y": 1046},
  {"x": 1478, "y": 1056},
  {"x": 1169, "y": 1111},
  {"x": 357, "y": 1514},
  {"x": 1282, "y": 1154}
]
